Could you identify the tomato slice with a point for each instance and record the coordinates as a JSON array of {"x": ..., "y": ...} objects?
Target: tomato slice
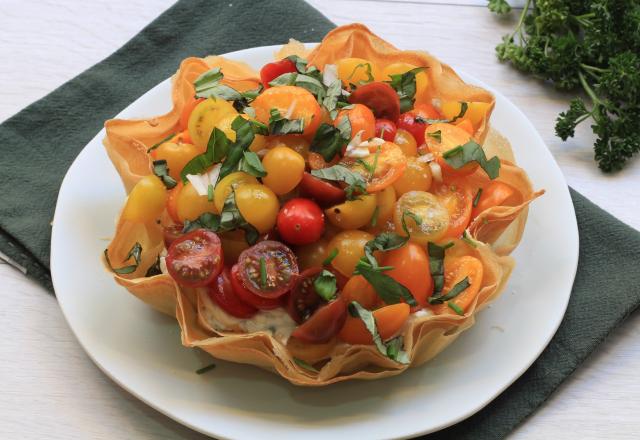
[
  {"x": 195, "y": 259},
  {"x": 186, "y": 112},
  {"x": 380, "y": 98},
  {"x": 457, "y": 198},
  {"x": 247, "y": 296},
  {"x": 172, "y": 233},
  {"x": 496, "y": 193},
  {"x": 388, "y": 163},
  {"x": 386, "y": 129},
  {"x": 271, "y": 71},
  {"x": 304, "y": 300},
  {"x": 323, "y": 192},
  {"x": 268, "y": 269},
  {"x": 223, "y": 294},
  {"x": 325, "y": 323}
]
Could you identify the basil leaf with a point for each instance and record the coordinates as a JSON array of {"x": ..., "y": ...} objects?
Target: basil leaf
[
  {"x": 415, "y": 217},
  {"x": 328, "y": 141},
  {"x": 208, "y": 85},
  {"x": 463, "y": 109},
  {"x": 332, "y": 95},
  {"x": 207, "y": 220},
  {"x": 231, "y": 218},
  {"x": 300, "y": 63},
  {"x": 367, "y": 68},
  {"x": 405, "y": 86},
  {"x": 161, "y": 170},
  {"x": 154, "y": 269},
  {"x": 305, "y": 365},
  {"x": 135, "y": 253},
  {"x": 437, "y": 135},
  {"x": 244, "y": 137},
  {"x": 455, "y": 307},
  {"x": 280, "y": 125},
  {"x": 455, "y": 291},
  {"x": 217, "y": 148},
  {"x": 311, "y": 84},
  {"x": 467, "y": 239},
  {"x": 332, "y": 255},
  {"x": 374, "y": 217},
  {"x": 344, "y": 127},
  {"x": 395, "y": 352},
  {"x": 476, "y": 199},
  {"x": 156, "y": 145},
  {"x": 357, "y": 311},
  {"x": 325, "y": 285},
  {"x": 251, "y": 164},
  {"x": 339, "y": 173},
  {"x": 386, "y": 287},
  {"x": 436, "y": 265},
  {"x": 242, "y": 104},
  {"x": 386, "y": 241},
  {"x": 472, "y": 152},
  {"x": 286, "y": 79},
  {"x": 208, "y": 78}
]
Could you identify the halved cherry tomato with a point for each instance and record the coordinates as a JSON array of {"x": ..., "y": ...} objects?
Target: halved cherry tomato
[
  {"x": 303, "y": 299},
  {"x": 425, "y": 217},
  {"x": 171, "y": 233},
  {"x": 457, "y": 197},
  {"x": 450, "y": 137},
  {"x": 296, "y": 102},
  {"x": 354, "y": 332},
  {"x": 146, "y": 201},
  {"x": 323, "y": 192},
  {"x": 223, "y": 294},
  {"x": 407, "y": 121},
  {"x": 268, "y": 269},
  {"x": 195, "y": 259},
  {"x": 411, "y": 269},
  {"x": 389, "y": 163},
  {"x": 389, "y": 321},
  {"x": 271, "y": 71},
  {"x": 361, "y": 119},
  {"x": 496, "y": 193},
  {"x": 380, "y": 98},
  {"x": 172, "y": 201},
  {"x": 325, "y": 323},
  {"x": 406, "y": 142},
  {"x": 359, "y": 289},
  {"x": 186, "y": 112},
  {"x": 455, "y": 270},
  {"x": 300, "y": 221},
  {"x": 416, "y": 177},
  {"x": 248, "y": 297},
  {"x": 386, "y": 129}
]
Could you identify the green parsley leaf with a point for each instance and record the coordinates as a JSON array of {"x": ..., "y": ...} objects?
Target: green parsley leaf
[
  {"x": 332, "y": 255},
  {"x": 305, "y": 365},
  {"x": 156, "y": 145},
  {"x": 135, "y": 253},
  {"x": 328, "y": 141},
  {"x": 472, "y": 152},
  {"x": 252, "y": 165},
  {"x": 500, "y": 7},
  {"x": 205, "y": 369},
  {"x": 217, "y": 148},
  {"x": 339, "y": 173},
  {"x": 279, "y": 125},
  {"x": 476, "y": 199},
  {"x": 405, "y": 86},
  {"x": 455, "y": 291},
  {"x": 436, "y": 265},
  {"x": 161, "y": 170},
  {"x": 455, "y": 307},
  {"x": 325, "y": 285}
]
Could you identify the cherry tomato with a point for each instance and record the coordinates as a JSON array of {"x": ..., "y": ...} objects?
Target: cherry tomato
[
  {"x": 297, "y": 143},
  {"x": 450, "y": 137},
  {"x": 177, "y": 156},
  {"x": 171, "y": 233},
  {"x": 172, "y": 201},
  {"x": 386, "y": 129},
  {"x": 432, "y": 217},
  {"x": 300, "y": 221},
  {"x": 407, "y": 121},
  {"x": 422, "y": 80},
  {"x": 223, "y": 294},
  {"x": 388, "y": 163},
  {"x": 389, "y": 321},
  {"x": 186, "y": 112},
  {"x": 323, "y": 192},
  {"x": 361, "y": 120},
  {"x": 350, "y": 247},
  {"x": 356, "y": 71},
  {"x": 271, "y": 71},
  {"x": 380, "y": 98},
  {"x": 303, "y": 299},
  {"x": 258, "y": 205},
  {"x": 195, "y": 259},
  {"x": 313, "y": 254},
  {"x": 146, "y": 200},
  {"x": 457, "y": 197},
  {"x": 247, "y": 296},
  {"x": 406, "y": 142},
  {"x": 229, "y": 183},
  {"x": 190, "y": 205},
  {"x": 359, "y": 289},
  {"x": 455, "y": 270},
  {"x": 386, "y": 202},
  {"x": 268, "y": 269},
  {"x": 205, "y": 116},
  {"x": 325, "y": 323},
  {"x": 496, "y": 193},
  {"x": 296, "y": 102},
  {"x": 284, "y": 169},
  {"x": 417, "y": 177},
  {"x": 476, "y": 111},
  {"x": 353, "y": 214},
  {"x": 411, "y": 269}
]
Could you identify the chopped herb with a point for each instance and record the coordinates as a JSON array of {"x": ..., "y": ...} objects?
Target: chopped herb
[
  {"x": 135, "y": 253},
  {"x": 436, "y": 265},
  {"x": 332, "y": 98},
  {"x": 304, "y": 365},
  {"x": 263, "y": 272},
  {"x": 207, "y": 220},
  {"x": 161, "y": 170},
  {"x": 388, "y": 289},
  {"x": 415, "y": 217},
  {"x": 280, "y": 125},
  {"x": 367, "y": 68},
  {"x": 472, "y": 152},
  {"x": 325, "y": 285},
  {"x": 154, "y": 146},
  {"x": 328, "y": 141},
  {"x": 205, "y": 369},
  {"x": 210, "y": 192},
  {"x": 332, "y": 255},
  {"x": 208, "y": 85},
  {"x": 405, "y": 86},
  {"x": 467, "y": 239},
  {"x": 154, "y": 269},
  {"x": 344, "y": 127},
  {"x": 476, "y": 199},
  {"x": 455, "y": 291},
  {"x": 286, "y": 79},
  {"x": 339, "y": 173},
  {"x": 251, "y": 164},
  {"x": 386, "y": 241},
  {"x": 455, "y": 307},
  {"x": 437, "y": 135},
  {"x": 217, "y": 149},
  {"x": 311, "y": 84},
  {"x": 374, "y": 217},
  {"x": 245, "y": 134},
  {"x": 463, "y": 110},
  {"x": 242, "y": 104},
  {"x": 395, "y": 352}
]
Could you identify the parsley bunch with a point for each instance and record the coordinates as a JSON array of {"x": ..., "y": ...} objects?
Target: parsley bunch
[{"x": 593, "y": 45}]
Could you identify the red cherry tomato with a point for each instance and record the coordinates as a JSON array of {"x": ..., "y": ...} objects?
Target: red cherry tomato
[
  {"x": 223, "y": 294},
  {"x": 251, "y": 298},
  {"x": 195, "y": 259},
  {"x": 303, "y": 299},
  {"x": 380, "y": 98},
  {"x": 268, "y": 269},
  {"x": 172, "y": 233},
  {"x": 386, "y": 129},
  {"x": 407, "y": 121},
  {"x": 323, "y": 192},
  {"x": 271, "y": 71},
  {"x": 325, "y": 323},
  {"x": 300, "y": 221}
]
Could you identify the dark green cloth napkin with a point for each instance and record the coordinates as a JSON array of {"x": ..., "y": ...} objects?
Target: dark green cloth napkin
[{"x": 39, "y": 144}]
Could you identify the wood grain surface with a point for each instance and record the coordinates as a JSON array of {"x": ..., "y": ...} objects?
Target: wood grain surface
[{"x": 51, "y": 389}]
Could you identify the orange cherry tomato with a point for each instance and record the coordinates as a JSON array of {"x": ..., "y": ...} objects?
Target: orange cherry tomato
[
  {"x": 406, "y": 142},
  {"x": 361, "y": 119},
  {"x": 455, "y": 270},
  {"x": 411, "y": 269},
  {"x": 186, "y": 112},
  {"x": 317, "y": 162},
  {"x": 389, "y": 321},
  {"x": 496, "y": 193},
  {"x": 457, "y": 198},
  {"x": 359, "y": 289},
  {"x": 450, "y": 137},
  {"x": 172, "y": 202},
  {"x": 354, "y": 332},
  {"x": 296, "y": 102},
  {"x": 388, "y": 163},
  {"x": 380, "y": 98}
]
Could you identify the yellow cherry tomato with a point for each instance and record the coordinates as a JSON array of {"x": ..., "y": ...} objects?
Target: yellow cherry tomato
[
  {"x": 422, "y": 80},
  {"x": 352, "y": 214},
  {"x": 476, "y": 111},
  {"x": 350, "y": 247},
  {"x": 225, "y": 123},
  {"x": 416, "y": 177},
  {"x": 357, "y": 71},
  {"x": 227, "y": 184},
  {"x": 385, "y": 202},
  {"x": 426, "y": 218},
  {"x": 176, "y": 155},
  {"x": 406, "y": 142},
  {"x": 296, "y": 142},
  {"x": 190, "y": 205},
  {"x": 205, "y": 116},
  {"x": 146, "y": 200},
  {"x": 258, "y": 205},
  {"x": 284, "y": 169},
  {"x": 312, "y": 255}
]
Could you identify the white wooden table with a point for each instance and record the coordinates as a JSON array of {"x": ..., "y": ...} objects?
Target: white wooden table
[{"x": 51, "y": 389}]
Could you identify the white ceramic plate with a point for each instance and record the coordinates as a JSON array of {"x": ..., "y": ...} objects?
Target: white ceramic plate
[{"x": 141, "y": 351}]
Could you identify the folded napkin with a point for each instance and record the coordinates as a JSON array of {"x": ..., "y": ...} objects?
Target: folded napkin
[{"x": 39, "y": 144}]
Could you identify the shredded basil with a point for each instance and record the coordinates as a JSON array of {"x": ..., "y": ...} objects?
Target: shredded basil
[
  {"x": 208, "y": 85},
  {"x": 161, "y": 170},
  {"x": 251, "y": 164},
  {"x": 415, "y": 217},
  {"x": 135, "y": 253},
  {"x": 305, "y": 365},
  {"x": 332, "y": 255},
  {"x": 325, "y": 285},
  {"x": 205, "y": 369},
  {"x": 245, "y": 134},
  {"x": 329, "y": 140},
  {"x": 217, "y": 148},
  {"x": 242, "y": 104},
  {"x": 405, "y": 86},
  {"x": 154, "y": 269},
  {"x": 263, "y": 272},
  {"x": 286, "y": 79},
  {"x": 436, "y": 265},
  {"x": 463, "y": 110},
  {"x": 467, "y": 239},
  {"x": 472, "y": 152},
  {"x": 154, "y": 146},
  {"x": 476, "y": 199},
  {"x": 374, "y": 217},
  {"x": 210, "y": 192},
  {"x": 368, "y": 72},
  {"x": 455, "y": 307},
  {"x": 437, "y": 135},
  {"x": 332, "y": 97},
  {"x": 455, "y": 291},
  {"x": 388, "y": 289},
  {"x": 356, "y": 185},
  {"x": 280, "y": 125},
  {"x": 207, "y": 220},
  {"x": 395, "y": 352}
]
